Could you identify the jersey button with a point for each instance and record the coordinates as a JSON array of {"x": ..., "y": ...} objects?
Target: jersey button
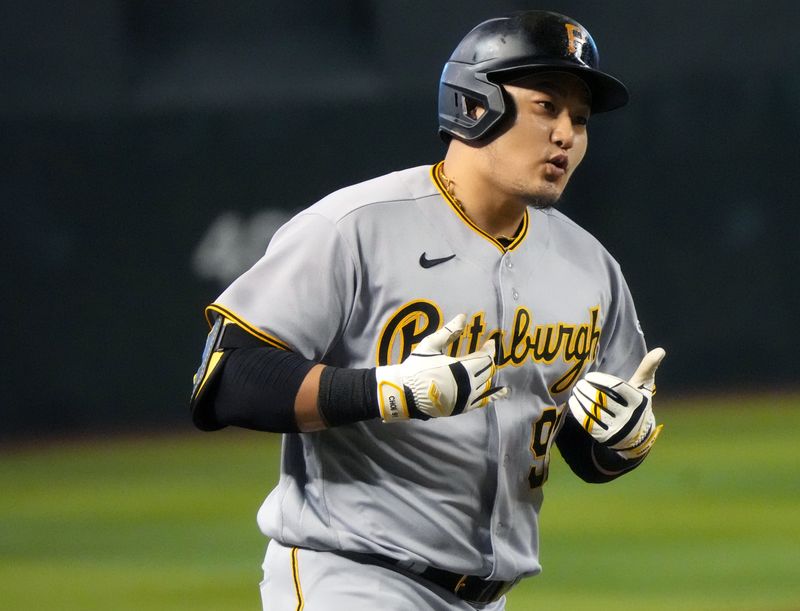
[
  {"x": 515, "y": 294},
  {"x": 509, "y": 264}
]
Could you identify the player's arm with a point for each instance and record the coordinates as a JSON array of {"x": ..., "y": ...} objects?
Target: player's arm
[
  {"x": 588, "y": 458},
  {"x": 243, "y": 382},
  {"x": 610, "y": 427}
]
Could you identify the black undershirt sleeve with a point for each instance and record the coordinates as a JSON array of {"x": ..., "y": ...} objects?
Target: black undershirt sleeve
[
  {"x": 590, "y": 460},
  {"x": 256, "y": 389}
]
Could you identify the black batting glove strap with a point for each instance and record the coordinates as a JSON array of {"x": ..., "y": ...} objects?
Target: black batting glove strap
[
  {"x": 461, "y": 376},
  {"x": 347, "y": 396}
]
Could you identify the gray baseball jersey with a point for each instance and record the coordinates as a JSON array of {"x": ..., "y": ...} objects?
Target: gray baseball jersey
[{"x": 357, "y": 280}]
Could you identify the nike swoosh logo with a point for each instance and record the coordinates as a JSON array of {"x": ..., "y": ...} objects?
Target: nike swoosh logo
[{"x": 426, "y": 263}]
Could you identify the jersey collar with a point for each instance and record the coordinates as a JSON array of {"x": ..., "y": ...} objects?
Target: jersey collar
[{"x": 518, "y": 238}]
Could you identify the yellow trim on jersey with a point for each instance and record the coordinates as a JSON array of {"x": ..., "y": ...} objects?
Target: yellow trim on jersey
[
  {"x": 523, "y": 231},
  {"x": 251, "y": 329},
  {"x": 296, "y": 578}
]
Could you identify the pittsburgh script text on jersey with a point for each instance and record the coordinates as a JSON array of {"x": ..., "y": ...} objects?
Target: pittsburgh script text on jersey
[{"x": 542, "y": 343}]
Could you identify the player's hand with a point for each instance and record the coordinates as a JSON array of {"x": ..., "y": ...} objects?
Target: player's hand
[
  {"x": 430, "y": 384},
  {"x": 617, "y": 413}
]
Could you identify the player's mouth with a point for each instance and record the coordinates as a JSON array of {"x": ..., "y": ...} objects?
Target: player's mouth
[{"x": 557, "y": 166}]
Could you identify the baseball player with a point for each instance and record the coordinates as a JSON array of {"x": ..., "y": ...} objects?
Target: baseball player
[{"x": 423, "y": 338}]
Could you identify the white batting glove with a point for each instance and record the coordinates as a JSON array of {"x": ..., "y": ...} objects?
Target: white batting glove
[
  {"x": 617, "y": 413},
  {"x": 431, "y": 384}
]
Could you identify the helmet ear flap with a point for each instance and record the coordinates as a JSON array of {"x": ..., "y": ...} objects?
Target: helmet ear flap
[{"x": 460, "y": 94}]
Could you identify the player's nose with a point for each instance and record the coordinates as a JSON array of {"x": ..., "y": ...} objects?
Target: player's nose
[{"x": 563, "y": 134}]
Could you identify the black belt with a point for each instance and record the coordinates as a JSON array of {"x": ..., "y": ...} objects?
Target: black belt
[{"x": 468, "y": 588}]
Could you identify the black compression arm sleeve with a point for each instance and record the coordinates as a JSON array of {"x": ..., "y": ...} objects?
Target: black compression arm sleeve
[
  {"x": 257, "y": 389},
  {"x": 589, "y": 459}
]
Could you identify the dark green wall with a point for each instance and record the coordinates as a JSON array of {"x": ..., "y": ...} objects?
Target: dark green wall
[{"x": 130, "y": 129}]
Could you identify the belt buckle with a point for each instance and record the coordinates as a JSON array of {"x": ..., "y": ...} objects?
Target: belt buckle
[{"x": 460, "y": 584}]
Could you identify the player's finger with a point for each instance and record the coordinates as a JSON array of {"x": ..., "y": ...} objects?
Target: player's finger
[
  {"x": 645, "y": 374},
  {"x": 489, "y": 347},
  {"x": 602, "y": 381},
  {"x": 480, "y": 368},
  {"x": 487, "y": 351},
  {"x": 456, "y": 325},
  {"x": 492, "y": 394},
  {"x": 500, "y": 393},
  {"x": 590, "y": 407},
  {"x": 613, "y": 398},
  {"x": 439, "y": 340},
  {"x": 594, "y": 400}
]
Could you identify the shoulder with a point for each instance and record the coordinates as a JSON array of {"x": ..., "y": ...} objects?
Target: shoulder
[
  {"x": 565, "y": 227},
  {"x": 573, "y": 241},
  {"x": 395, "y": 188},
  {"x": 342, "y": 218},
  {"x": 361, "y": 211}
]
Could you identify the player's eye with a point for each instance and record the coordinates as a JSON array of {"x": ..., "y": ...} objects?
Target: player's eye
[
  {"x": 581, "y": 120},
  {"x": 547, "y": 105}
]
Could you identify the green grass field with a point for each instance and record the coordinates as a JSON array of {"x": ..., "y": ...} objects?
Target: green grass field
[{"x": 712, "y": 521}]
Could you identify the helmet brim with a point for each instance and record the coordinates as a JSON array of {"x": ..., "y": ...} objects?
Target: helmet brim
[{"x": 608, "y": 93}]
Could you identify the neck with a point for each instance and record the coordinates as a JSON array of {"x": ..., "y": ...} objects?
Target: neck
[{"x": 498, "y": 214}]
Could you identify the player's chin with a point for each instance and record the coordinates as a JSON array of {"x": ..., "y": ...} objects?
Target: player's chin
[{"x": 545, "y": 198}]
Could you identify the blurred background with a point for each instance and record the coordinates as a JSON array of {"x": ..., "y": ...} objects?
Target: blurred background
[{"x": 152, "y": 147}]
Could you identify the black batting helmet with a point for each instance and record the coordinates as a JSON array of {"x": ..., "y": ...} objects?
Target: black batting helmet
[{"x": 522, "y": 43}]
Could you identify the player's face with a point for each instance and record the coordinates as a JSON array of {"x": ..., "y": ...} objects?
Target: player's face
[{"x": 534, "y": 158}]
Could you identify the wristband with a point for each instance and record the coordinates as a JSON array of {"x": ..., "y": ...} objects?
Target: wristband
[{"x": 347, "y": 396}]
